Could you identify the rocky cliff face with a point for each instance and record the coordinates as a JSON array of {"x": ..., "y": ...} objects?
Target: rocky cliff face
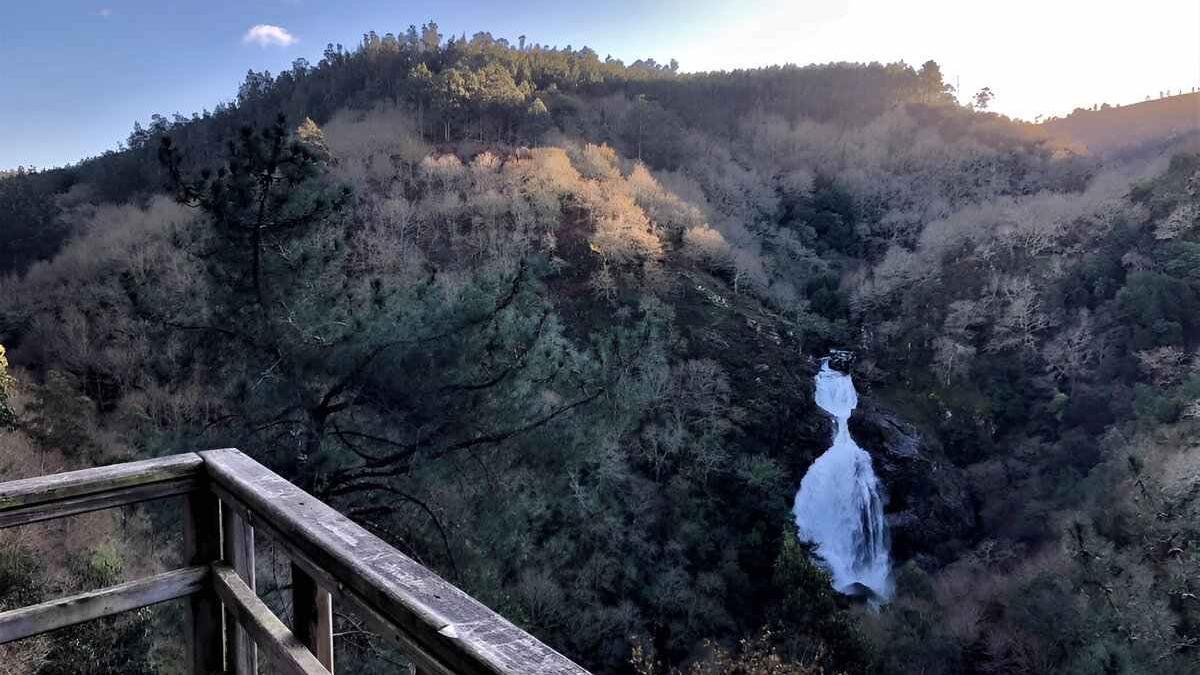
[{"x": 930, "y": 509}]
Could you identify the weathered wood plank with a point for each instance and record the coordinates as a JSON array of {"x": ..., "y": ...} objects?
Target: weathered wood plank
[
  {"x": 26, "y": 622},
  {"x": 281, "y": 647},
  {"x": 437, "y": 617},
  {"x": 203, "y": 627},
  {"x": 26, "y": 514},
  {"x": 312, "y": 616},
  {"x": 427, "y": 663},
  {"x": 238, "y": 545},
  {"x": 60, "y": 486},
  {"x": 33, "y": 500}
]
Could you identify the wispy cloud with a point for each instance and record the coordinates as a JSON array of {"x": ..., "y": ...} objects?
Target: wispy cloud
[
  {"x": 103, "y": 13},
  {"x": 266, "y": 35}
]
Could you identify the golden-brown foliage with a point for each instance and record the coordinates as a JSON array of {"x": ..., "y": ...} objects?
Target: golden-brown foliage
[
  {"x": 622, "y": 232},
  {"x": 670, "y": 215},
  {"x": 596, "y": 162}
]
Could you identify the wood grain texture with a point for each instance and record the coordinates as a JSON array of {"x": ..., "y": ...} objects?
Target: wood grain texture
[
  {"x": 86, "y": 503},
  {"x": 237, "y": 541},
  {"x": 426, "y": 662},
  {"x": 47, "y": 616},
  {"x": 442, "y": 621},
  {"x": 203, "y": 625},
  {"x": 281, "y": 647},
  {"x": 36, "y": 499},
  {"x": 346, "y": 597},
  {"x": 99, "y": 479},
  {"x": 312, "y": 613}
]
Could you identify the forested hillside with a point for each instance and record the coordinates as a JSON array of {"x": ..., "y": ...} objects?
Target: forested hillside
[
  {"x": 548, "y": 324},
  {"x": 1106, "y": 129}
]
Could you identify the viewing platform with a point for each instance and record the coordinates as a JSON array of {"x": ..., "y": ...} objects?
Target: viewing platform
[{"x": 230, "y": 498}]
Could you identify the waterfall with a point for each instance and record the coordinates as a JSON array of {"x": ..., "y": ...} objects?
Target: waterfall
[{"x": 838, "y": 506}]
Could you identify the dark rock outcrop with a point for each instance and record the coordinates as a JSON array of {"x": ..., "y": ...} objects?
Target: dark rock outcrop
[
  {"x": 930, "y": 509},
  {"x": 840, "y": 359}
]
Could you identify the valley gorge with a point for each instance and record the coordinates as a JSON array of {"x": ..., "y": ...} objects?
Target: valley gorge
[{"x": 576, "y": 335}]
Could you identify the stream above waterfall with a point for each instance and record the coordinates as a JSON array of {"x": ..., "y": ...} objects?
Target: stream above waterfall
[{"x": 839, "y": 506}]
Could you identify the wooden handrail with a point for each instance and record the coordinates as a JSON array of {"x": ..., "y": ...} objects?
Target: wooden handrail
[
  {"x": 37, "y": 619},
  {"x": 284, "y": 651},
  {"x": 230, "y": 496},
  {"x": 459, "y": 634},
  {"x": 66, "y": 494}
]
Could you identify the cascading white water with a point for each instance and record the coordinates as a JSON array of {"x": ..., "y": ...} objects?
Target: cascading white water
[{"x": 838, "y": 506}]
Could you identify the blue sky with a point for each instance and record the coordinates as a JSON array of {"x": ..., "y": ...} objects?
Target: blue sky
[{"x": 76, "y": 74}]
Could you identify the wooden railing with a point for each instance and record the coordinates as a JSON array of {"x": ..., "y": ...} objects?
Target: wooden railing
[{"x": 231, "y": 498}]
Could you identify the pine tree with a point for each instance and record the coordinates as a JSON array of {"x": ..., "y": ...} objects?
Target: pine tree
[
  {"x": 260, "y": 205},
  {"x": 266, "y": 191}
]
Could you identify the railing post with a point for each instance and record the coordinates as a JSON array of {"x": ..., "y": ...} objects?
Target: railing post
[
  {"x": 312, "y": 616},
  {"x": 239, "y": 553},
  {"x": 202, "y": 546}
]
